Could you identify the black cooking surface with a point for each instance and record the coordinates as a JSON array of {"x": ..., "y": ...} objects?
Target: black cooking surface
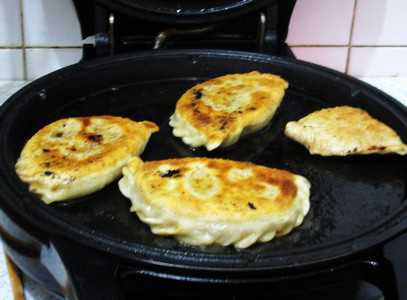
[
  {"x": 356, "y": 202},
  {"x": 348, "y": 195}
]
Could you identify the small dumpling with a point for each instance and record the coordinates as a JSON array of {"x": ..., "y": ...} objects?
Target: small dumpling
[
  {"x": 344, "y": 130},
  {"x": 203, "y": 201},
  {"x": 75, "y": 157},
  {"x": 218, "y": 112}
]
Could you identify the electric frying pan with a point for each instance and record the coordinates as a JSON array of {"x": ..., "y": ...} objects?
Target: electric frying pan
[{"x": 93, "y": 247}]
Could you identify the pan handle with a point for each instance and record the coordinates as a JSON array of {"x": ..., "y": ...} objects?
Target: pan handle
[
  {"x": 395, "y": 266},
  {"x": 83, "y": 273}
]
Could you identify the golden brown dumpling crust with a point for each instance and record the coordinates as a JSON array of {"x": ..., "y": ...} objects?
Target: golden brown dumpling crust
[
  {"x": 217, "y": 112},
  {"x": 76, "y": 156},
  {"x": 344, "y": 130},
  {"x": 203, "y": 200}
]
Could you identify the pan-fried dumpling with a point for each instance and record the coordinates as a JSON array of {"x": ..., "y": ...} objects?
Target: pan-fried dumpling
[
  {"x": 202, "y": 201},
  {"x": 74, "y": 157},
  {"x": 217, "y": 112},
  {"x": 342, "y": 131}
]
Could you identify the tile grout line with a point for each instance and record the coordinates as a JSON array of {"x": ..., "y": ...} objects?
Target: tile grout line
[
  {"x": 23, "y": 41},
  {"x": 352, "y": 25}
]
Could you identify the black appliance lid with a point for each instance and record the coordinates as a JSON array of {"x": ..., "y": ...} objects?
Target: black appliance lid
[
  {"x": 191, "y": 11},
  {"x": 132, "y": 25}
]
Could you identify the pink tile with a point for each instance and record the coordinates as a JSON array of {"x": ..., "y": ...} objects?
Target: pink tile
[
  {"x": 331, "y": 57},
  {"x": 11, "y": 62},
  {"x": 380, "y": 22},
  {"x": 50, "y": 23},
  {"x": 43, "y": 61},
  {"x": 321, "y": 22},
  {"x": 10, "y": 23},
  {"x": 378, "y": 61}
]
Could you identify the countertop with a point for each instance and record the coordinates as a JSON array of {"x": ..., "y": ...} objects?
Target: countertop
[{"x": 394, "y": 86}]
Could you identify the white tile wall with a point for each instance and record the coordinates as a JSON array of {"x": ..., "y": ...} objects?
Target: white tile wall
[
  {"x": 378, "y": 61},
  {"x": 11, "y": 62},
  {"x": 50, "y": 23},
  {"x": 321, "y": 22},
  {"x": 380, "y": 22},
  {"x": 45, "y": 60},
  {"x": 47, "y": 38},
  {"x": 358, "y": 37},
  {"x": 10, "y": 23},
  {"x": 334, "y": 57},
  {"x": 377, "y": 25}
]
